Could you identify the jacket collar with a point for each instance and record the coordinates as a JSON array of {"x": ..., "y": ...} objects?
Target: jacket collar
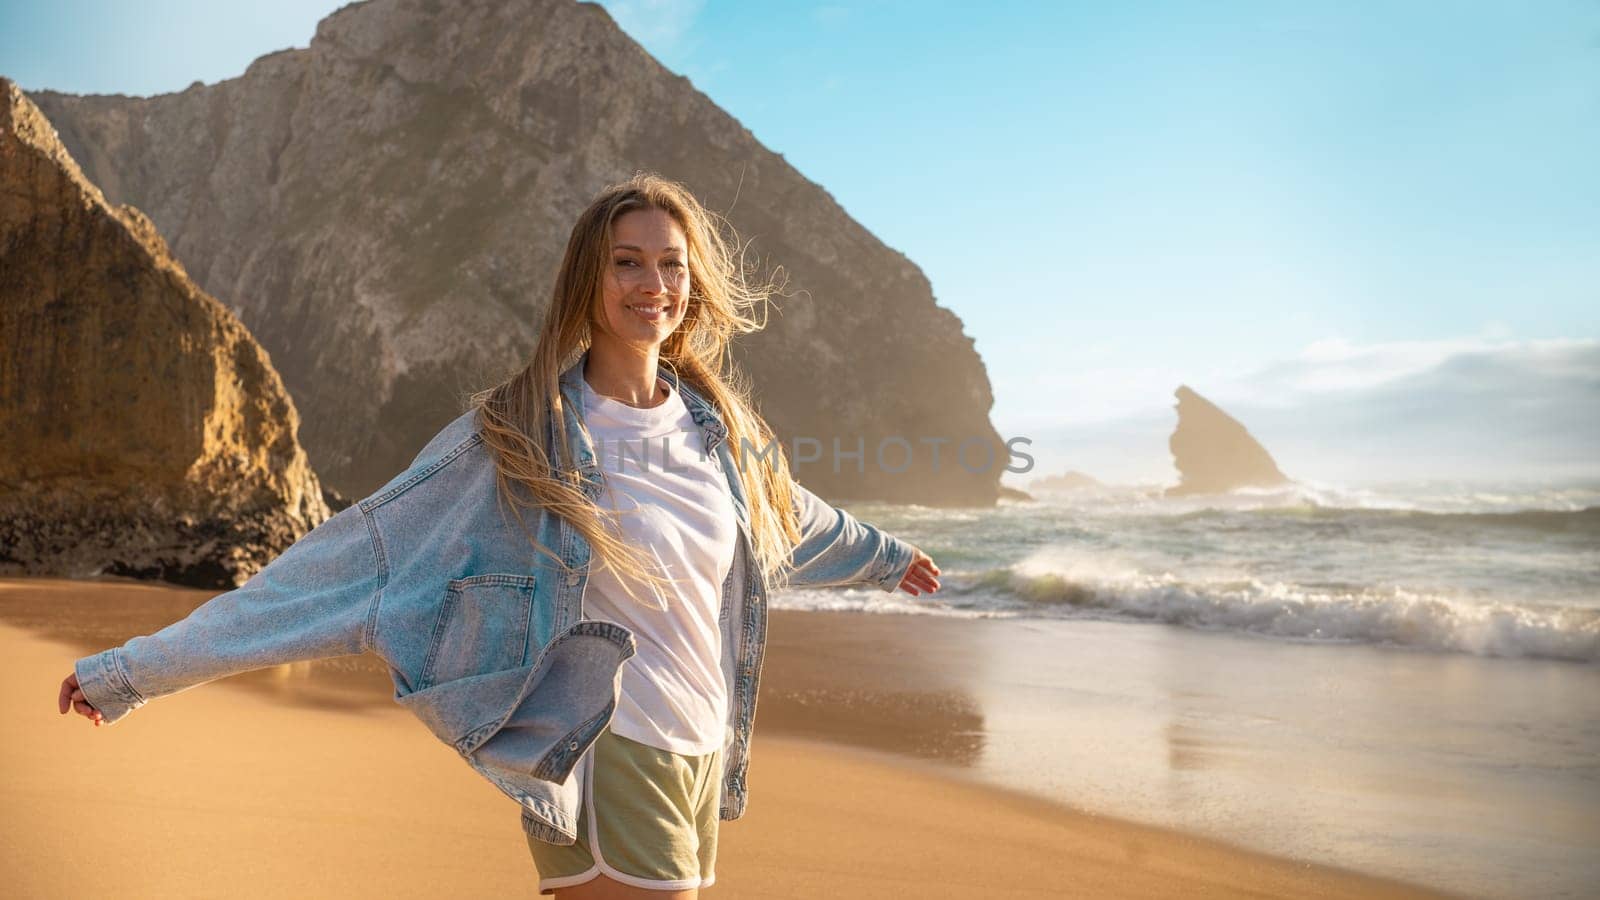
[{"x": 701, "y": 410}]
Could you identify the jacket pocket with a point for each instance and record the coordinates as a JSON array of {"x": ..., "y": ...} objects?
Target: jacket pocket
[
  {"x": 482, "y": 627},
  {"x": 526, "y": 729}
]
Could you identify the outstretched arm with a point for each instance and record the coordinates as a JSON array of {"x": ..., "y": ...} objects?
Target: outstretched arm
[
  {"x": 837, "y": 549},
  {"x": 317, "y": 599}
]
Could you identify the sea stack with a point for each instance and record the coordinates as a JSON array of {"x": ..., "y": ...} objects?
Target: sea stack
[
  {"x": 1214, "y": 453},
  {"x": 144, "y": 431},
  {"x": 386, "y": 210}
]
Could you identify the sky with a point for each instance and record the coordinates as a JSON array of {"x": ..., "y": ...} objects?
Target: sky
[{"x": 1289, "y": 207}]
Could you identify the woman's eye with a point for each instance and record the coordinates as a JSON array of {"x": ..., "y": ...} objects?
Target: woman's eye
[
  {"x": 626, "y": 262},
  {"x": 676, "y": 264}
]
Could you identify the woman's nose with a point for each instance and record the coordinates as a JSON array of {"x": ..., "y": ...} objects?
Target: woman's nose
[{"x": 651, "y": 281}]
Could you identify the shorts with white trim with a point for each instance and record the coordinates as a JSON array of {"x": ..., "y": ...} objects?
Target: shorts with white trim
[{"x": 648, "y": 819}]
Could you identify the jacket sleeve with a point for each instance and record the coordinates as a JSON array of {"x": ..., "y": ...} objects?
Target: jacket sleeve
[
  {"x": 837, "y": 549},
  {"x": 315, "y": 600}
]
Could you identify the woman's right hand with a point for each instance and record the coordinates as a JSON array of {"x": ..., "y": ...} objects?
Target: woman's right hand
[{"x": 72, "y": 695}]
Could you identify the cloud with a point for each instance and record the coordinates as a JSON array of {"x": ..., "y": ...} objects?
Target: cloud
[
  {"x": 1478, "y": 407},
  {"x": 1523, "y": 409},
  {"x": 1336, "y": 365}
]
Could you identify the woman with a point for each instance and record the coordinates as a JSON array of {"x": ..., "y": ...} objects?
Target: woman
[{"x": 569, "y": 583}]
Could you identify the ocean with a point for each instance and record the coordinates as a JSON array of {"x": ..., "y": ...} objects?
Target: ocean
[
  {"x": 1510, "y": 570},
  {"x": 1395, "y": 678}
]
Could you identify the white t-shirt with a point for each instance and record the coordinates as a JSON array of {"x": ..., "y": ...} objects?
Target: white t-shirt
[{"x": 675, "y": 505}]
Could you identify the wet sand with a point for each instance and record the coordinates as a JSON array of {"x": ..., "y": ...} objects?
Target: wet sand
[
  {"x": 306, "y": 780},
  {"x": 1469, "y": 774}
]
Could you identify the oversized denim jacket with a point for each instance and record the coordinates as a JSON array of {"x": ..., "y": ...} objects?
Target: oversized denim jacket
[{"x": 485, "y": 637}]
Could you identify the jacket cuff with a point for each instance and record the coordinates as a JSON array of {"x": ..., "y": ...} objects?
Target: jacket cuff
[
  {"x": 895, "y": 561},
  {"x": 105, "y": 685}
]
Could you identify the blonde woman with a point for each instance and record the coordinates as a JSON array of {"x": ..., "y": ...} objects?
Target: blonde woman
[{"x": 569, "y": 585}]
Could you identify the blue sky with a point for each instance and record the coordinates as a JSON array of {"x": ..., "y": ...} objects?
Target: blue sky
[{"x": 1117, "y": 198}]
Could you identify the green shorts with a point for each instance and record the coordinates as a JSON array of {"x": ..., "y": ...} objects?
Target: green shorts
[{"x": 648, "y": 819}]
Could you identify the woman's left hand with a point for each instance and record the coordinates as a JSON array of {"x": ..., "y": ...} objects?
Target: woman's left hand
[{"x": 922, "y": 577}]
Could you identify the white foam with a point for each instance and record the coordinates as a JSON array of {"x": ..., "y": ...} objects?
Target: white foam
[
  {"x": 1232, "y": 601},
  {"x": 1106, "y": 587},
  {"x": 1487, "y": 569}
]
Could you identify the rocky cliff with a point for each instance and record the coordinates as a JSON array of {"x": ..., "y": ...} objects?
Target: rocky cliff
[
  {"x": 1214, "y": 453},
  {"x": 142, "y": 431},
  {"x": 388, "y": 206}
]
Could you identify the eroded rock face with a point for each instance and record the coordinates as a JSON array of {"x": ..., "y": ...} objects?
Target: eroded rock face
[
  {"x": 144, "y": 432},
  {"x": 388, "y": 207},
  {"x": 1214, "y": 453}
]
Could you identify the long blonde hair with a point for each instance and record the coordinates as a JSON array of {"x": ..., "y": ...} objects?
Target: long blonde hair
[{"x": 516, "y": 416}]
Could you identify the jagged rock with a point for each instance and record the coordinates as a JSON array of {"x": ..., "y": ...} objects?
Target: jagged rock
[
  {"x": 1214, "y": 453},
  {"x": 144, "y": 432},
  {"x": 388, "y": 206},
  {"x": 1066, "y": 481}
]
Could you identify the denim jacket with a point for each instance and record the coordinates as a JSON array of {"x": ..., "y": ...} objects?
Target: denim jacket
[{"x": 485, "y": 638}]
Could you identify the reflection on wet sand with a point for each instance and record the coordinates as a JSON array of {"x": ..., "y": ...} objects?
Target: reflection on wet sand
[
  {"x": 861, "y": 681},
  {"x": 945, "y": 725},
  {"x": 1194, "y": 747}
]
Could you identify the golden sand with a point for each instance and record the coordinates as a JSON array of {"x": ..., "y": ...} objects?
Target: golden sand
[{"x": 224, "y": 791}]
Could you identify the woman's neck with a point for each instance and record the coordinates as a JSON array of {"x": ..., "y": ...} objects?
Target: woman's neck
[{"x": 624, "y": 374}]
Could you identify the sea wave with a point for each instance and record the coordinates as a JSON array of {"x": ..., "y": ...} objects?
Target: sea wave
[
  {"x": 1321, "y": 613},
  {"x": 1327, "y": 612},
  {"x": 1494, "y": 569}
]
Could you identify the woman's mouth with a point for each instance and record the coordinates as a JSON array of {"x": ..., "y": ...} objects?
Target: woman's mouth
[{"x": 650, "y": 312}]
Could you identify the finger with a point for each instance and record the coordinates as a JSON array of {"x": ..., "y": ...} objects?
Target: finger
[
  {"x": 65, "y": 699},
  {"x": 84, "y": 709}
]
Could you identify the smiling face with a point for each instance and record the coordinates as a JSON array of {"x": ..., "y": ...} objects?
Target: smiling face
[{"x": 645, "y": 288}]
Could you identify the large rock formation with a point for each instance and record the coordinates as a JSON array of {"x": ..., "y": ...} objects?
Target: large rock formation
[
  {"x": 1214, "y": 453},
  {"x": 142, "y": 431},
  {"x": 388, "y": 206}
]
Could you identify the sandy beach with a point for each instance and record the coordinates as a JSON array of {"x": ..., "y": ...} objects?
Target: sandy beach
[{"x": 305, "y": 780}]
